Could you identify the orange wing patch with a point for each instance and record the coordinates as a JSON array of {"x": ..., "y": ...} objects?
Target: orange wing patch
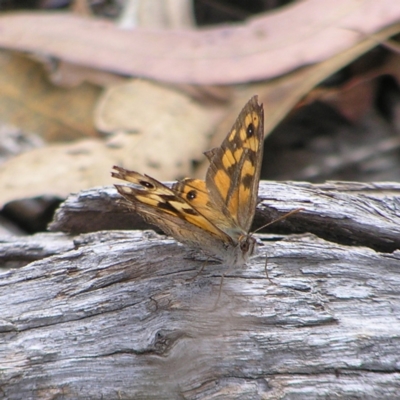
[
  {"x": 195, "y": 192},
  {"x": 223, "y": 181},
  {"x": 228, "y": 159}
]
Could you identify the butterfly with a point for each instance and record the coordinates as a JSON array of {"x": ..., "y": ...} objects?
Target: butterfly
[{"x": 212, "y": 215}]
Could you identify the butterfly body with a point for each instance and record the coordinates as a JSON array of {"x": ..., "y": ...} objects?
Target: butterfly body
[{"x": 212, "y": 215}]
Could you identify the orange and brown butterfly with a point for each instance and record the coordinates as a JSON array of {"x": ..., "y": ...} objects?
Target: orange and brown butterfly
[{"x": 214, "y": 215}]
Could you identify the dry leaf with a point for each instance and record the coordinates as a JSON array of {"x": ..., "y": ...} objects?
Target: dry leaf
[
  {"x": 161, "y": 131},
  {"x": 164, "y": 132},
  {"x": 265, "y": 46},
  {"x": 28, "y": 100},
  {"x": 57, "y": 169},
  {"x": 69, "y": 75}
]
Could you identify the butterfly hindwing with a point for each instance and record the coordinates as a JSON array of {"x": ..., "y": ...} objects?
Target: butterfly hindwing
[{"x": 162, "y": 206}]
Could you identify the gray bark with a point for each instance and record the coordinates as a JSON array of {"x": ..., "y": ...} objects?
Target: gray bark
[{"x": 122, "y": 315}]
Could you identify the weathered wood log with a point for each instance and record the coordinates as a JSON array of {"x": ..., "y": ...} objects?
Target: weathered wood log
[
  {"x": 118, "y": 315},
  {"x": 366, "y": 214}
]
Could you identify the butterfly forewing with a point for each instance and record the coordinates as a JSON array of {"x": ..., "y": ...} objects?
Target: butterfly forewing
[{"x": 234, "y": 172}]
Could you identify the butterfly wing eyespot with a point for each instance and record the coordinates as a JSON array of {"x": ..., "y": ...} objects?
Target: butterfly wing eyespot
[
  {"x": 250, "y": 130},
  {"x": 134, "y": 177},
  {"x": 191, "y": 195},
  {"x": 196, "y": 194},
  {"x": 146, "y": 184}
]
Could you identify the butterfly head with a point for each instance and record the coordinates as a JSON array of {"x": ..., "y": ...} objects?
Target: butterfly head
[{"x": 246, "y": 247}]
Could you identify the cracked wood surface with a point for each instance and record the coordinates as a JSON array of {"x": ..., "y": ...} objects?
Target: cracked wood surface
[{"x": 117, "y": 315}]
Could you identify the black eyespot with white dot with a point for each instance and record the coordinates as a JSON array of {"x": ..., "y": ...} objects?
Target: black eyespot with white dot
[
  {"x": 191, "y": 195},
  {"x": 147, "y": 185},
  {"x": 250, "y": 130}
]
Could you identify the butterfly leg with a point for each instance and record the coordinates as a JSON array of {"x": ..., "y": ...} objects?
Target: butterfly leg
[
  {"x": 201, "y": 270},
  {"x": 266, "y": 271},
  {"x": 220, "y": 288},
  {"x": 219, "y": 292}
]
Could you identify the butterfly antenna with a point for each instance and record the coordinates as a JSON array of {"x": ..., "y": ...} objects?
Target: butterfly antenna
[
  {"x": 201, "y": 270},
  {"x": 279, "y": 219},
  {"x": 266, "y": 271}
]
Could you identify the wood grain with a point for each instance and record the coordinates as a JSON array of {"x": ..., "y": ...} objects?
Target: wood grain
[{"x": 117, "y": 315}]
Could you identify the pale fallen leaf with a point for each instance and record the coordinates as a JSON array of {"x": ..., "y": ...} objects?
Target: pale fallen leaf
[
  {"x": 14, "y": 141},
  {"x": 148, "y": 13},
  {"x": 57, "y": 169},
  {"x": 28, "y": 100},
  {"x": 265, "y": 46},
  {"x": 161, "y": 130},
  {"x": 69, "y": 75},
  {"x": 156, "y": 130}
]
